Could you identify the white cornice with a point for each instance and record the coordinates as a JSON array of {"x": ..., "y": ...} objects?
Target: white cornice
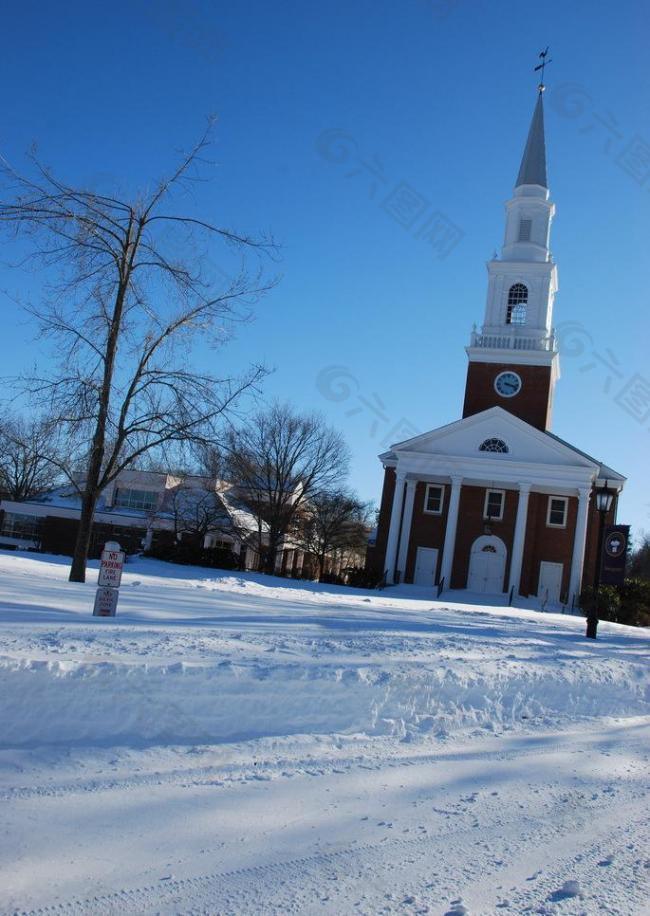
[
  {"x": 512, "y": 357},
  {"x": 509, "y": 267},
  {"x": 484, "y": 470}
]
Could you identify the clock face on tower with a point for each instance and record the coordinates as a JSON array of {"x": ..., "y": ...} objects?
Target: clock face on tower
[{"x": 507, "y": 384}]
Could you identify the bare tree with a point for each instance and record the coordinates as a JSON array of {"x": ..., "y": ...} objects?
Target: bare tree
[
  {"x": 639, "y": 563},
  {"x": 276, "y": 461},
  {"x": 333, "y": 522},
  {"x": 131, "y": 295},
  {"x": 30, "y": 457},
  {"x": 197, "y": 510}
]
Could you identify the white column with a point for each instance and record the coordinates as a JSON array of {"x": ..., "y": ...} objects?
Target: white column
[
  {"x": 393, "y": 531},
  {"x": 406, "y": 527},
  {"x": 450, "y": 533},
  {"x": 579, "y": 543},
  {"x": 519, "y": 538}
]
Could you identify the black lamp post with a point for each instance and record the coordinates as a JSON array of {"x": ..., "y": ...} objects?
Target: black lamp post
[{"x": 603, "y": 497}]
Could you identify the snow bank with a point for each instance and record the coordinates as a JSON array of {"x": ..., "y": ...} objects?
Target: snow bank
[
  {"x": 264, "y": 660},
  {"x": 64, "y": 702}
]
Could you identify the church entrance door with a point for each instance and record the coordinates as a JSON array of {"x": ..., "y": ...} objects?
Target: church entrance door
[
  {"x": 487, "y": 565},
  {"x": 550, "y": 582},
  {"x": 426, "y": 561}
]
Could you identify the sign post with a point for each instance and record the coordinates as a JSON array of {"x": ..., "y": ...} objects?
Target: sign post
[{"x": 109, "y": 579}]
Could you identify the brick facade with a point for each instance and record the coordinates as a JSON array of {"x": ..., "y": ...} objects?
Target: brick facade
[
  {"x": 532, "y": 404},
  {"x": 427, "y": 530},
  {"x": 376, "y": 556},
  {"x": 472, "y": 525},
  {"x": 58, "y": 536},
  {"x": 542, "y": 542},
  {"x": 554, "y": 545}
]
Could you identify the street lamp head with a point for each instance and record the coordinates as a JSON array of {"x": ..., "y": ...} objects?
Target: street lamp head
[{"x": 604, "y": 498}]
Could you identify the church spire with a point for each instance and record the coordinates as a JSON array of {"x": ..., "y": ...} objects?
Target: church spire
[{"x": 533, "y": 164}]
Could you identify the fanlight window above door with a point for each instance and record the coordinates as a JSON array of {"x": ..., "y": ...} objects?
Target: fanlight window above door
[{"x": 494, "y": 445}]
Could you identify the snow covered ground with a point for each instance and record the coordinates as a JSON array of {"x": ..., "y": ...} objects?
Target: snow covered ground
[{"x": 236, "y": 743}]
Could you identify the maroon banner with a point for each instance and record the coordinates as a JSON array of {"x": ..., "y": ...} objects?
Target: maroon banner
[{"x": 614, "y": 555}]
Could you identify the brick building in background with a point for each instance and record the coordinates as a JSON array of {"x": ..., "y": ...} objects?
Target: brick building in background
[
  {"x": 496, "y": 501},
  {"x": 151, "y": 511}
]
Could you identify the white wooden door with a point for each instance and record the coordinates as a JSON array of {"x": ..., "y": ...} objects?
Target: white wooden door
[
  {"x": 550, "y": 582},
  {"x": 487, "y": 566},
  {"x": 426, "y": 561}
]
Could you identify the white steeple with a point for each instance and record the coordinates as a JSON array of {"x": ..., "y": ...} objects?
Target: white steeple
[{"x": 518, "y": 323}]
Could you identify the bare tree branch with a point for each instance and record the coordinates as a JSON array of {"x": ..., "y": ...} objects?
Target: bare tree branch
[{"x": 121, "y": 315}]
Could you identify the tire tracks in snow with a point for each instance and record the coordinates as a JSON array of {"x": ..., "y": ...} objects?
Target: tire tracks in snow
[
  {"x": 298, "y": 884},
  {"x": 223, "y": 775}
]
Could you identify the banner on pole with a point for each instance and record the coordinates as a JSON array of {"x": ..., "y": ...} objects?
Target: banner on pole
[{"x": 614, "y": 556}]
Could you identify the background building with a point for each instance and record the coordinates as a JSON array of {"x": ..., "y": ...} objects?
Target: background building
[{"x": 159, "y": 513}]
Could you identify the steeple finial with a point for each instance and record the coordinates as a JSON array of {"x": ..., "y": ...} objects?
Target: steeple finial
[{"x": 541, "y": 67}]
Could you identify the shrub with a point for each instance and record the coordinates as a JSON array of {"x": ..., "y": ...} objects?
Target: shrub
[
  {"x": 361, "y": 578},
  {"x": 628, "y": 603},
  {"x": 635, "y": 603},
  {"x": 609, "y": 602},
  {"x": 188, "y": 554}
]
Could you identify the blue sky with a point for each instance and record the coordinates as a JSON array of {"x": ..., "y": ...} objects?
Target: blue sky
[{"x": 328, "y": 114}]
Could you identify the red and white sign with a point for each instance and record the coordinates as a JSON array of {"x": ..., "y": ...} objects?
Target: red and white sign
[
  {"x": 105, "y": 602},
  {"x": 110, "y": 570}
]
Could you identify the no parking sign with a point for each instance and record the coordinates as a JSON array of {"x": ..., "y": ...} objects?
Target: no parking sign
[{"x": 109, "y": 579}]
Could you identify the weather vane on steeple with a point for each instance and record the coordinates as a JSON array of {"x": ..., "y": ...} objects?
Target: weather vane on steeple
[{"x": 541, "y": 66}]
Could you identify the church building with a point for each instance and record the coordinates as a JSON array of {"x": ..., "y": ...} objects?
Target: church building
[{"x": 495, "y": 502}]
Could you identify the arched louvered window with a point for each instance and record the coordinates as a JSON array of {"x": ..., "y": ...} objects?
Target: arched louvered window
[
  {"x": 517, "y": 302},
  {"x": 494, "y": 445}
]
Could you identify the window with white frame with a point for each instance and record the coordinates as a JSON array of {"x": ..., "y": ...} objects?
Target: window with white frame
[
  {"x": 557, "y": 511},
  {"x": 517, "y": 304},
  {"x": 135, "y": 499},
  {"x": 494, "y": 503},
  {"x": 494, "y": 445},
  {"x": 433, "y": 498}
]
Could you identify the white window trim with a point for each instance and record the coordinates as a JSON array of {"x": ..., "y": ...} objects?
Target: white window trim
[
  {"x": 128, "y": 503},
  {"x": 438, "y": 486},
  {"x": 565, "y": 500},
  {"x": 487, "y": 451},
  {"x": 494, "y": 518}
]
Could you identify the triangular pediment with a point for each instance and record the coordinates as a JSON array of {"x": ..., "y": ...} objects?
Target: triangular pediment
[{"x": 524, "y": 442}]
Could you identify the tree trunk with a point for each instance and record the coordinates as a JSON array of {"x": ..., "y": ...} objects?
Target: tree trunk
[
  {"x": 82, "y": 543},
  {"x": 92, "y": 487},
  {"x": 269, "y": 560},
  {"x": 271, "y": 554}
]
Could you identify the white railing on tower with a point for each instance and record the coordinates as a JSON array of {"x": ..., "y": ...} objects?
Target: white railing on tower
[{"x": 512, "y": 342}]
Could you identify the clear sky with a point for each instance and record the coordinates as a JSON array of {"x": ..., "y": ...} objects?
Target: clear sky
[{"x": 355, "y": 131}]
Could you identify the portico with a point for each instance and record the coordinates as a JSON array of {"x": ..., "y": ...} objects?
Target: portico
[{"x": 533, "y": 495}]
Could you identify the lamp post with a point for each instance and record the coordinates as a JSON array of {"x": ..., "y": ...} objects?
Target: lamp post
[{"x": 603, "y": 498}]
